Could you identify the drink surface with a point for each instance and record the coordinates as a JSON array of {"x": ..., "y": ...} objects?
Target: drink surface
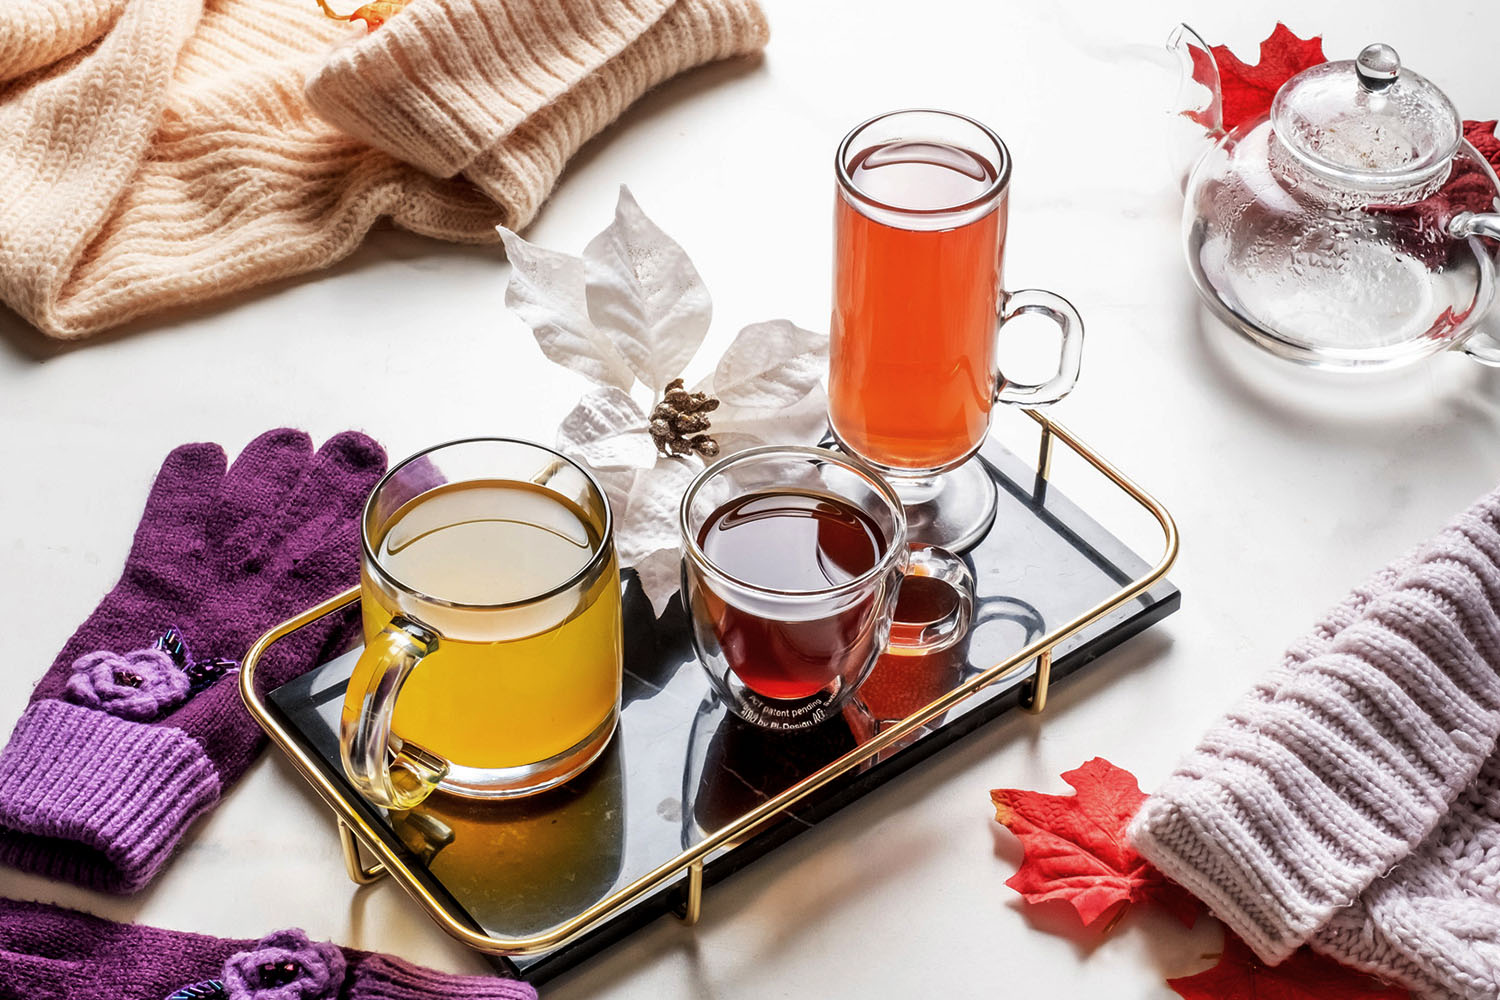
[
  {"x": 524, "y": 699},
  {"x": 912, "y": 365},
  {"x": 921, "y": 176},
  {"x": 486, "y": 542},
  {"x": 785, "y": 540},
  {"x": 792, "y": 541}
]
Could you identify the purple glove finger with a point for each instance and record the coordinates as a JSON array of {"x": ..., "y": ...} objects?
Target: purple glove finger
[
  {"x": 255, "y": 491},
  {"x": 334, "y": 555},
  {"x": 168, "y": 547},
  {"x": 415, "y": 478},
  {"x": 166, "y": 574},
  {"x": 331, "y": 494}
]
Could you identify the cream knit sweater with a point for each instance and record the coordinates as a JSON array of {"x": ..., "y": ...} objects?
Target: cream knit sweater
[
  {"x": 1352, "y": 800},
  {"x": 160, "y": 152}
]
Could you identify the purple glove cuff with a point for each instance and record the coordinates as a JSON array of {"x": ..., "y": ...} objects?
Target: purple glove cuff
[
  {"x": 378, "y": 977},
  {"x": 48, "y": 953},
  {"x": 98, "y": 800}
]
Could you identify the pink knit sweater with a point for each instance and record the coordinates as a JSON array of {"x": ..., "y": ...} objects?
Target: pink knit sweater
[
  {"x": 1351, "y": 801},
  {"x": 161, "y": 152}
]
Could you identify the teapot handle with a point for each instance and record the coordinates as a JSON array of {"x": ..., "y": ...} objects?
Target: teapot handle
[
  {"x": 1466, "y": 224},
  {"x": 1483, "y": 347}
]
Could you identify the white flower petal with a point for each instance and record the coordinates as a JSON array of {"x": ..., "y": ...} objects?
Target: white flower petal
[
  {"x": 645, "y": 537},
  {"x": 770, "y": 364},
  {"x": 607, "y": 430},
  {"x": 661, "y": 577},
  {"x": 649, "y": 521},
  {"x": 546, "y": 290},
  {"x": 731, "y": 442},
  {"x": 644, "y": 292},
  {"x": 617, "y": 484},
  {"x": 803, "y": 422}
]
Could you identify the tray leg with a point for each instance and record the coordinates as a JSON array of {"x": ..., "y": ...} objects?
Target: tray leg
[
  {"x": 1034, "y": 690},
  {"x": 353, "y": 863},
  {"x": 1043, "y": 465},
  {"x": 692, "y": 907}
]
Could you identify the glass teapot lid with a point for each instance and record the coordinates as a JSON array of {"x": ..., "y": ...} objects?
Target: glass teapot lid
[{"x": 1367, "y": 123}]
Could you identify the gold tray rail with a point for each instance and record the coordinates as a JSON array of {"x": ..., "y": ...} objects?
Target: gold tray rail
[{"x": 356, "y": 834}]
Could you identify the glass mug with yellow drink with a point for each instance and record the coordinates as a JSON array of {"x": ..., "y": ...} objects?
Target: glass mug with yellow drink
[{"x": 491, "y": 599}]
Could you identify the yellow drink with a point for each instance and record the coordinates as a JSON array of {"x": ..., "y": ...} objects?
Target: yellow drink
[{"x": 516, "y": 677}]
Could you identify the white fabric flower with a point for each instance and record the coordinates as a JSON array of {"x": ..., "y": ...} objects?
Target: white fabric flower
[{"x": 629, "y": 315}]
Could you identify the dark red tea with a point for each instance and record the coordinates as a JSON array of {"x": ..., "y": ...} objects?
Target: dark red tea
[{"x": 792, "y": 541}]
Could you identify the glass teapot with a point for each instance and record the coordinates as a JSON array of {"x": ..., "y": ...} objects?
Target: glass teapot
[{"x": 1347, "y": 228}]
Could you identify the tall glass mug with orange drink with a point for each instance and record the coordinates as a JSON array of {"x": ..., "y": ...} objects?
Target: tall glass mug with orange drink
[
  {"x": 490, "y": 591},
  {"x": 919, "y": 305}
]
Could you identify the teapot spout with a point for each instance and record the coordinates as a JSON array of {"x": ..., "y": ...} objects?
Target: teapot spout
[{"x": 1200, "y": 73}]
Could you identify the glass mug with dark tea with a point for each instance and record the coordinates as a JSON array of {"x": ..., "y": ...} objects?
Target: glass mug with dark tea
[
  {"x": 792, "y": 562},
  {"x": 490, "y": 591},
  {"x": 919, "y": 304}
]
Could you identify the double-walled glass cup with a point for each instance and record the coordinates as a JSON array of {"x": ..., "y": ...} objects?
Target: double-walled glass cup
[
  {"x": 789, "y": 658},
  {"x": 490, "y": 591},
  {"x": 918, "y": 308}
]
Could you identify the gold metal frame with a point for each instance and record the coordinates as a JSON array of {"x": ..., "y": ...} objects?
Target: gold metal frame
[{"x": 359, "y": 838}]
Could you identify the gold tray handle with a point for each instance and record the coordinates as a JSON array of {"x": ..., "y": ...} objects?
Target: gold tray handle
[{"x": 686, "y": 869}]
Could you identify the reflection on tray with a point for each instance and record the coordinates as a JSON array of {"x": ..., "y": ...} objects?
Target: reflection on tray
[
  {"x": 899, "y": 685},
  {"x": 518, "y": 863},
  {"x": 733, "y": 766}
]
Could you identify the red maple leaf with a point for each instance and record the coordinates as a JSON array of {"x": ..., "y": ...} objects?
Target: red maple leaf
[
  {"x": 374, "y": 14},
  {"x": 1075, "y": 846},
  {"x": 1467, "y": 189},
  {"x": 1240, "y": 975},
  {"x": 1246, "y": 91}
]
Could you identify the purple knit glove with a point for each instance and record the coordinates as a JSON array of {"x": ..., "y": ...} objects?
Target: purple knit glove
[
  {"x": 138, "y": 727},
  {"x": 48, "y": 953}
]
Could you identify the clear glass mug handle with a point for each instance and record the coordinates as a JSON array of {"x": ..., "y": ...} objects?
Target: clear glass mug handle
[
  {"x": 365, "y": 737},
  {"x": 918, "y": 638},
  {"x": 1061, "y": 312}
]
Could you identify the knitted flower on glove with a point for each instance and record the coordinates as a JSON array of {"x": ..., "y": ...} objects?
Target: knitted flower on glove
[
  {"x": 284, "y": 966},
  {"x": 139, "y": 685}
]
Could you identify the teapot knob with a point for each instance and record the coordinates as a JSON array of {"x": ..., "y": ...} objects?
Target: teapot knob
[{"x": 1377, "y": 66}]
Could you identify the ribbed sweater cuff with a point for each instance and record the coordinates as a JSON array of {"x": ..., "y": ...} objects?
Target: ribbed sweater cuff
[
  {"x": 447, "y": 79},
  {"x": 34, "y": 33},
  {"x": 1330, "y": 775},
  {"x": 519, "y": 173},
  {"x": 378, "y": 977},
  {"x": 97, "y": 800}
]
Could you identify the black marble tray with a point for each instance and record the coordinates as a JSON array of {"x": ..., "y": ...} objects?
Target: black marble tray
[{"x": 681, "y": 767}]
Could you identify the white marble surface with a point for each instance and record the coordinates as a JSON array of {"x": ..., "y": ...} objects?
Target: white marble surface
[{"x": 1287, "y": 489}]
